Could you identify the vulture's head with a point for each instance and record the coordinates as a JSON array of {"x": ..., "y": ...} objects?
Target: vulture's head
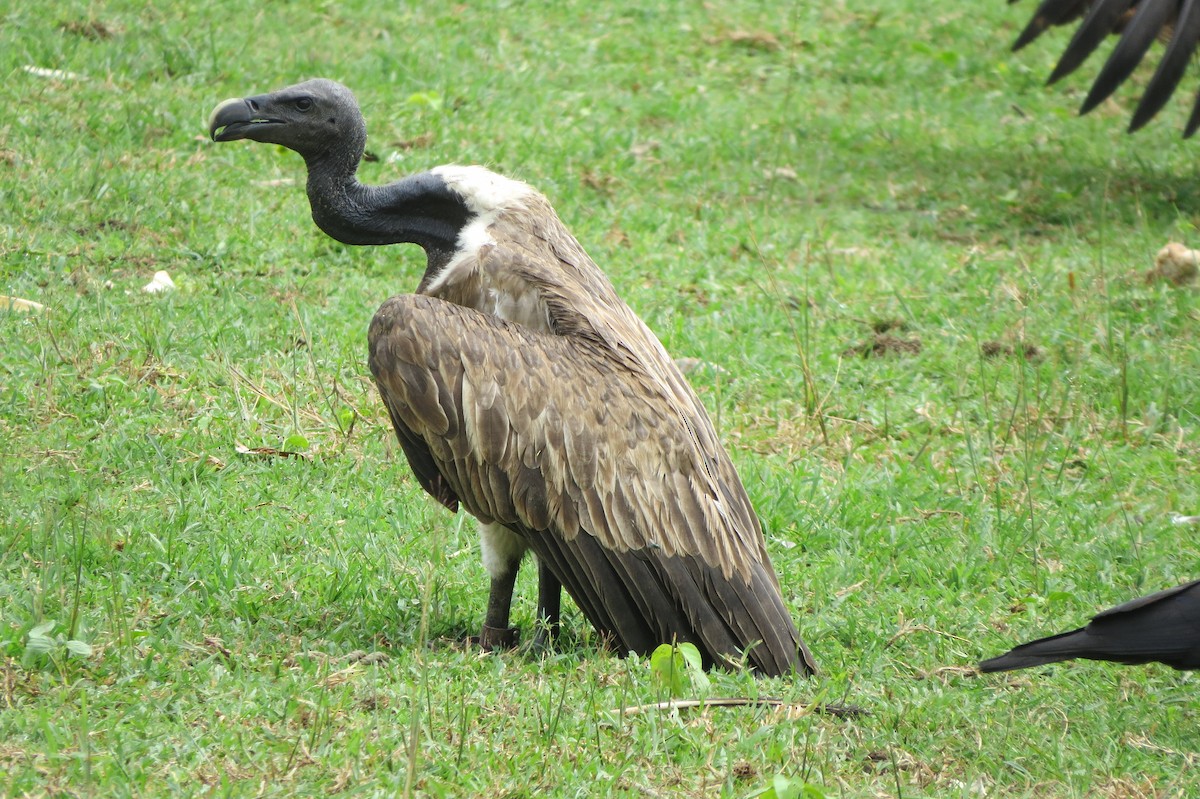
[{"x": 310, "y": 118}]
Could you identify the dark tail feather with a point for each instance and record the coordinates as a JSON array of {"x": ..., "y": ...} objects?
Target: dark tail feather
[{"x": 1038, "y": 653}]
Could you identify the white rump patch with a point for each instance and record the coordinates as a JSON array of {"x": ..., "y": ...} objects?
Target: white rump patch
[{"x": 483, "y": 190}]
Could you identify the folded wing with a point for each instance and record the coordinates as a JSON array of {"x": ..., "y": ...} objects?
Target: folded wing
[{"x": 558, "y": 440}]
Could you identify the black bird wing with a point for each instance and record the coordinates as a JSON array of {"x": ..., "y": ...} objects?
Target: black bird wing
[
  {"x": 1049, "y": 14},
  {"x": 1137, "y": 23},
  {"x": 561, "y": 441},
  {"x": 1162, "y": 627}
]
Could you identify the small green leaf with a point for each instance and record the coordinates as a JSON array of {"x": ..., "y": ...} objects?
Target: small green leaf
[
  {"x": 692, "y": 655},
  {"x": 782, "y": 788},
  {"x": 695, "y": 666},
  {"x": 295, "y": 443},
  {"x": 662, "y": 661},
  {"x": 785, "y": 788},
  {"x": 660, "y": 657},
  {"x": 680, "y": 668},
  {"x": 669, "y": 665},
  {"x": 431, "y": 100},
  {"x": 42, "y": 630},
  {"x": 39, "y": 644},
  {"x": 79, "y": 648},
  {"x": 949, "y": 57}
]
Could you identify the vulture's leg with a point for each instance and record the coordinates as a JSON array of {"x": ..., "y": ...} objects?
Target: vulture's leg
[
  {"x": 502, "y": 553},
  {"x": 549, "y": 607}
]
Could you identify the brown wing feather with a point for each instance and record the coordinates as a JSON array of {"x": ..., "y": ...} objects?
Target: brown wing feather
[
  {"x": 566, "y": 445},
  {"x": 416, "y": 449}
]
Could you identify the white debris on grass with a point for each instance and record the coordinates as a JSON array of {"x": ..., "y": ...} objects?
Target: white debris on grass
[
  {"x": 52, "y": 74},
  {"x": 1175, "y": 264},
  {"x": 161, "y": 282}
]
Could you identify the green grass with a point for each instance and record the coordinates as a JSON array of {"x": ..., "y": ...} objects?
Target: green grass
[{"x": 284, "y": 627}]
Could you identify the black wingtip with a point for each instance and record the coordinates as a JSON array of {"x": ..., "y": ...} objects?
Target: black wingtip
[
  {"x": 1034, "y": 653},
  {"x": 1094, "y": 29},
  {"x": 1172, "y": 67},
  {"x": 1011, "y": 661},
  {"x": 1098, "y": 94},
  {"x": 1049, "y": 14},
  {"x": 1036, "y": 27},
  {"x": 1139, "y": 34},
  {"x": 1193, "y": 122}
]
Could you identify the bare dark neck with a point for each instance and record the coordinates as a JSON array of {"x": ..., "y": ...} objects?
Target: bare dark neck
[{"x": 419, "y": 209}]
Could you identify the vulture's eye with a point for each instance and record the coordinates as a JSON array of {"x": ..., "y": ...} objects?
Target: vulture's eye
[{"x": 304, "y": 104}]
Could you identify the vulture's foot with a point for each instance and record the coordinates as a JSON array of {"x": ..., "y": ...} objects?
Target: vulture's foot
[{"x": 496, "y": 638}]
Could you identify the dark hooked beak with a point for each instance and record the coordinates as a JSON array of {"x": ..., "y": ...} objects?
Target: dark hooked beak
[{"x": 236, "y": 119}]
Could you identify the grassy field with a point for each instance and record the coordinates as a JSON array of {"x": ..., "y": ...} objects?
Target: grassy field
[{"x": 915, "y": 282}]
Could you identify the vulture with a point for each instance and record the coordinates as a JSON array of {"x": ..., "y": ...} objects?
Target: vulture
[
  {"x": 1162, "y": 627},
  {"x": 525, "y": 391},
  {"x": 1137, "y": 23}
]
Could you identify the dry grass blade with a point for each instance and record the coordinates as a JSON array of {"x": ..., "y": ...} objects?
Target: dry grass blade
[
  {"x": 18, "y": 304},
  {"x": 792, "y": 710}
]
